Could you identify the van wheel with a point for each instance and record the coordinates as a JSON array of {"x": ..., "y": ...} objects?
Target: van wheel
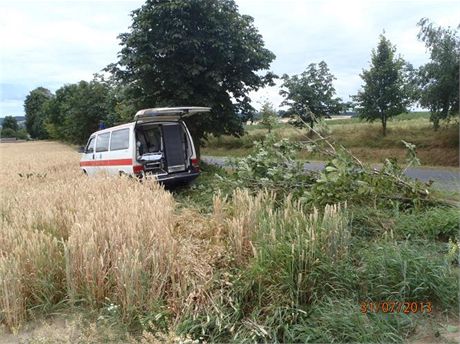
[{"x": 85, "y": 173}]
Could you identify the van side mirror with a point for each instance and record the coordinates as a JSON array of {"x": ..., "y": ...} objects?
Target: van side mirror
[{"x": 81, "y": 149}]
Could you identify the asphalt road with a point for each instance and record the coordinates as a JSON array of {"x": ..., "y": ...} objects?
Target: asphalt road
[{"x": 445, "y": 178}]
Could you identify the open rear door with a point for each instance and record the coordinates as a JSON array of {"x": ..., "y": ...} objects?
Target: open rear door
[
  {"x": 174, "y": 147},
  {"x": 168, "y": 114}
]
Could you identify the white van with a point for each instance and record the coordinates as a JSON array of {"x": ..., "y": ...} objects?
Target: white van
[{"x": 157, "y": 142}]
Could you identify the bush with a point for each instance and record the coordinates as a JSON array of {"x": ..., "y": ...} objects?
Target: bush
[
  {"x": 8, "y": 132},
  {"x": 271, "y": 166},
  {"x": 22, "y": 134}
]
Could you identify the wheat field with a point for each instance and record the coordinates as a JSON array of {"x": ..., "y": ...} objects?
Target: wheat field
[{"x": 68, "y": 239}]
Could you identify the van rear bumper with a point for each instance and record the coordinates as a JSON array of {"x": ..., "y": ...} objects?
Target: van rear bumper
[{"x": 179, "y": 177}]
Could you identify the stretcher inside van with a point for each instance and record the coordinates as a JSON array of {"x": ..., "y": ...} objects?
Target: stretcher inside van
[{"x": 158, "y": 142}]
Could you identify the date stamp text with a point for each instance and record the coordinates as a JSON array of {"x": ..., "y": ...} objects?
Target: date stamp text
[{"x": 396, "y": 307}]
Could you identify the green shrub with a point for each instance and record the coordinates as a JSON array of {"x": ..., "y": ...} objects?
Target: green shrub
[
  {"x": 7, "y": 132},
  {"x": 22, "y": 134},
  {"x": 271, "y": 166}
]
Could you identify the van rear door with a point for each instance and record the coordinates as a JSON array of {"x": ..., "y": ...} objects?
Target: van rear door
[{"x": 168, "y": 114}]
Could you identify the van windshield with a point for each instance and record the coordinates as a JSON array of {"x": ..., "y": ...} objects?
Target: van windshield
[{"x": 90, "y": 145}]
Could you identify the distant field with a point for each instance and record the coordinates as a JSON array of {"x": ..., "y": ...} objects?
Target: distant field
[{"x": 434, "y": 148}]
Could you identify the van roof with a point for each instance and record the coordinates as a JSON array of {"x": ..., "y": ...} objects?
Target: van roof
[{"x": 121, "y": 126}]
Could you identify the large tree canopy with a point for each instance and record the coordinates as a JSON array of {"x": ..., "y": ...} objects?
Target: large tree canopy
[
  {"x": 386, "y": 91},
  {"x": 311, "y": 95},
  {"x": 194, "y": 52},
  {"x": 439, "y": 78},
  {"x": 76, "y": 110},
  {"x": 35, "y": 116}
]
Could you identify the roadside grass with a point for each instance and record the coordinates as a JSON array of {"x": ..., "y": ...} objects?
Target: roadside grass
[
  {"x": 209, "y": 262},
  {"x": 434, "y": 148}
]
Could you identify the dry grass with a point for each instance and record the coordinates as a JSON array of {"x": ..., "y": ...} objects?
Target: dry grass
[
  {"x": 436, "y": 148},
  {"x": 67, "y": 237}
]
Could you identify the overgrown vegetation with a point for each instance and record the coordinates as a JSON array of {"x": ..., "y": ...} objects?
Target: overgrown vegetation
[{"x": 262, "y": 252}]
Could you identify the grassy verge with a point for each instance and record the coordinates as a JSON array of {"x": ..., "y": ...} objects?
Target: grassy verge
[{"x": 438, "y": 148}]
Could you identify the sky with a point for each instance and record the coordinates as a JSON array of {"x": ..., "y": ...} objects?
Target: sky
[{"x": 52, "y": 43}]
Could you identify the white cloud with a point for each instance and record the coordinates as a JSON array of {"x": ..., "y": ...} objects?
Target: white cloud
[{"x": 50, "y": 43}]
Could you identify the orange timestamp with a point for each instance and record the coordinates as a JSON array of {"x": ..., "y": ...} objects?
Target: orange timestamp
[{"x": 396, "y": 307}]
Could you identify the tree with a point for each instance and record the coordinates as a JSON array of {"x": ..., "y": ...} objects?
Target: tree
[
  {"x": 439, "y": 78},
  {"x": 9, "y": 122},
  {"x": 269, "y": 116},
  {"x": 76, "y": 110},
  {"x": 194, "y": 52},
  {"x": 7, "y": 132},
  {"x": 386, "y": 91},
  {"x": 35, "y": 116},
  {"x": 312, "y": 94}
]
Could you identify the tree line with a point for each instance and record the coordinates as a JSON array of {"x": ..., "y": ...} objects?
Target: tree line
[{"x": 205, "y": 53}]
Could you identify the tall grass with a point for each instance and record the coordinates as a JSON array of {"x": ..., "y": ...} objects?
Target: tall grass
[
  {"x": 70, "y": 238},
  {"x": 278, "y": 250}
]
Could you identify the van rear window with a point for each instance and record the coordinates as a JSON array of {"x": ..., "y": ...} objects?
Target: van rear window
[
  {"x": 119, "y": 140},
  {"x": 102, "y": 142}
]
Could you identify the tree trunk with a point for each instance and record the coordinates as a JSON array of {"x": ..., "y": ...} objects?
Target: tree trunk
[
  {"x": 197, "y": 144},
  {"x": 196, "y": 137},
  {"x": 384, "y": 124}
]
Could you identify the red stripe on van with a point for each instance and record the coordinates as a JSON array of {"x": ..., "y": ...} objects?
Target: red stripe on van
[{"x": 112, "y": 162}]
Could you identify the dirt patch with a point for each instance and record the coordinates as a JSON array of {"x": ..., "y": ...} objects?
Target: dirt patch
[
  {"x": 438, "y": 329},
  {"x": 55, "y": 330}
]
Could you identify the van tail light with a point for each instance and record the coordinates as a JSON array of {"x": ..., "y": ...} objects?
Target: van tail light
[
  {"x": 195, "y": 164},
  {"x": 138, "y": 169}
]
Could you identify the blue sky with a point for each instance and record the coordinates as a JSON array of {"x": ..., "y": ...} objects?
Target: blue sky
[{"x": 52, "y": 43}]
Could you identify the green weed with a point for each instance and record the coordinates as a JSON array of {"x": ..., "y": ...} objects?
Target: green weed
[
  {"x": 407, "y": 272},
  {"x": 432, "y": 224}
]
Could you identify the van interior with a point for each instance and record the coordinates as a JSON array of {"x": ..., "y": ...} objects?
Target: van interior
[{"x": 163, "y": 148}]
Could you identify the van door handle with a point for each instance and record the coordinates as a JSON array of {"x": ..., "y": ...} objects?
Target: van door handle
[{"x": 93, "y": 156}]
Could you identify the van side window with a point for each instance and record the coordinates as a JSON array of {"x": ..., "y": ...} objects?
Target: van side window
[
  {"x": 102, "y": 142},
  {"x": 90, "y": 145},
  {"x": 119, "y": 140}
]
